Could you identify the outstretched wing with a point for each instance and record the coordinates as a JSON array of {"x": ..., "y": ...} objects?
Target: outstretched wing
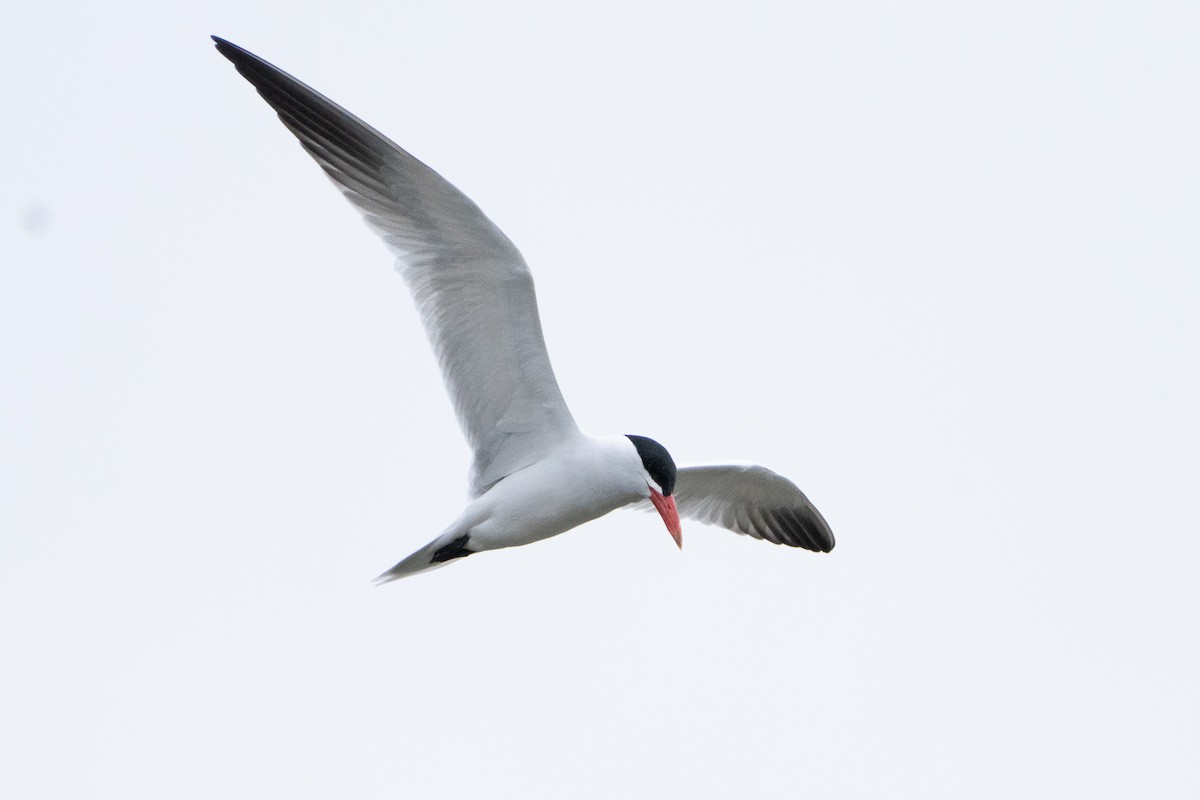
[
  {"x": 752, "y": 500},
  {"x": 471, "y": 285}
]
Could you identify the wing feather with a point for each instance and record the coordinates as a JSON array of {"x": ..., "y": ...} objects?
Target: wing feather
[
  {"x": 751, "y": 500},
  {"x": 471, "y": 285}
]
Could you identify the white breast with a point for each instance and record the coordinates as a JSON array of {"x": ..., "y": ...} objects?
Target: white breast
[{"x": 584, "y": 479}]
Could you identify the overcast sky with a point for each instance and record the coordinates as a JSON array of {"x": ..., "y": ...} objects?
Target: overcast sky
[{"x": 939, "y": 263}]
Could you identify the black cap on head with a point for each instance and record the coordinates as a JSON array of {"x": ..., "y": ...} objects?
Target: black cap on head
[{"x": 657, "y": 461}]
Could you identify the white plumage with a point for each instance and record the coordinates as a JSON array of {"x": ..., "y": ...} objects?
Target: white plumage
[{"x": 534, "y": 474}]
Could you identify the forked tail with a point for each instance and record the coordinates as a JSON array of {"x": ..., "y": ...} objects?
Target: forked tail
[{"x": 438, "y": 553}]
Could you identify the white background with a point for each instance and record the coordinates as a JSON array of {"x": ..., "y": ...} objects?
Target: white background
[{"x": 936, "y": 262}]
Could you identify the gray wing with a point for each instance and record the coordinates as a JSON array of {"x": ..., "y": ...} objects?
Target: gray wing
[
  {"x": 471, "y": 285},
  {"x": 752, "y": 500}
]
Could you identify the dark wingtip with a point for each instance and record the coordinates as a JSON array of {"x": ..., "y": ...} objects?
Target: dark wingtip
[
  {"x": 238, "y": 55},
  {"x": 802, "y": 527},
  {"x": 818, "y": 529},
  {"x": 821, "y": 535},
  {"x": 246, "y": 62}
]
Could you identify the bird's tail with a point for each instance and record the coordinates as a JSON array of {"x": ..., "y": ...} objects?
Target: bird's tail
[{"x": 446, "y": 548}]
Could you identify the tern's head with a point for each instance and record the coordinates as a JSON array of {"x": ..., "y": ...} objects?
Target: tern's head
[{"x": 660, "y": 480}]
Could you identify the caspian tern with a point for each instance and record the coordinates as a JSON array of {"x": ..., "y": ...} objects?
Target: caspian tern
[{"x": 534, "y": 473}]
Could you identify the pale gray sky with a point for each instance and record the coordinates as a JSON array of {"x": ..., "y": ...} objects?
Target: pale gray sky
[{"x": 937, "y": 262}]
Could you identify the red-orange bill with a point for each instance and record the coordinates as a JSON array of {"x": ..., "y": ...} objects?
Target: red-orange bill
[{"x": 670, "y": 514}]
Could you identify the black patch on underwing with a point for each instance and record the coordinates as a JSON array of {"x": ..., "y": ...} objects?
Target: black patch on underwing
[{"x": 449, "y": 552}]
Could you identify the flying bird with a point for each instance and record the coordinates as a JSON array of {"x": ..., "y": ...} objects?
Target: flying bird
[{"x": 534, "y": 474}]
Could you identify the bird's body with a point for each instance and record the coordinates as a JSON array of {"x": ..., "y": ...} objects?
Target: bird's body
[
  {"x": 586, "y": 478},
  {"x": 534, "y": 473}
]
